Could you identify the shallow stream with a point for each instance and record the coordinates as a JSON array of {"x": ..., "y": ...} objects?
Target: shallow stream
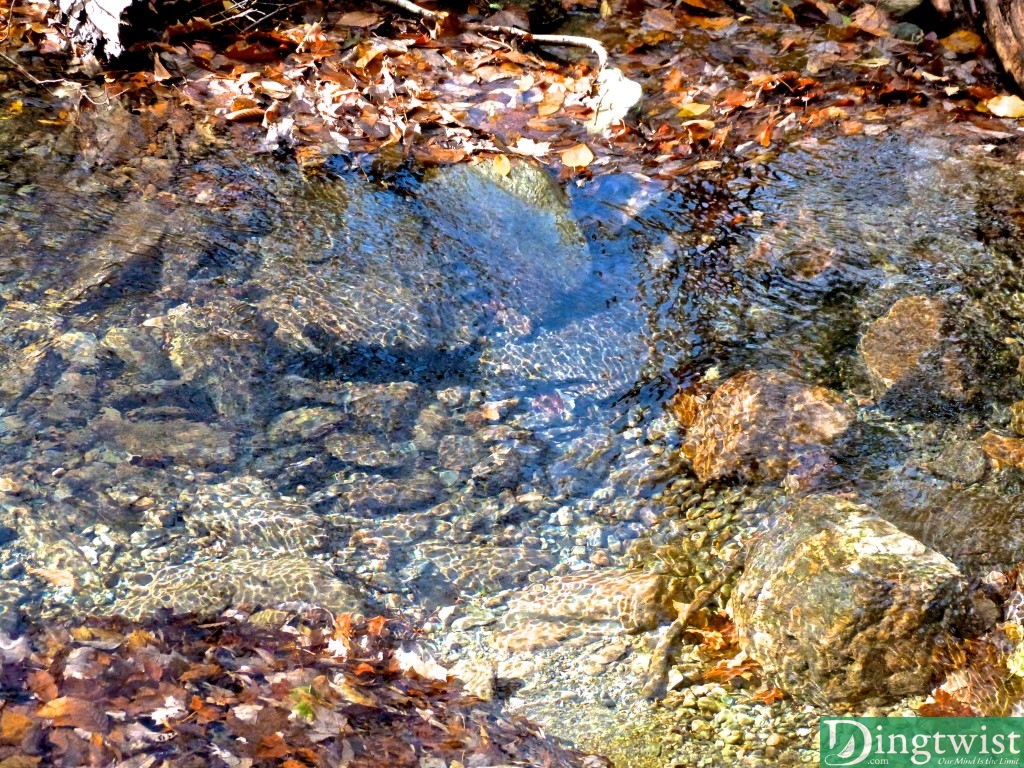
[{"x": 222, "y": 382}]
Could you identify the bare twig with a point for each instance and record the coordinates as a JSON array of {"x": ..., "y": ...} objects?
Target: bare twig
[{"x": 657, "y": 676}]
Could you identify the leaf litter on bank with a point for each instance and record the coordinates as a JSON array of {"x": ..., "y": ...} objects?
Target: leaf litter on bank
[
  {"x": 315, "y": 691},
  {"x": 366, "y": 78}
]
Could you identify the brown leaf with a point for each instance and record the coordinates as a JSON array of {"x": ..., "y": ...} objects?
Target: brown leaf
[
  {"x": 872, "y": 20},
  {"x": 359, "y": 19},
  {"x": 946, "y": 706},
  {"x": 42, "y": 685},
  {"x": 272, "y": 747},
  {"x": 74, "y": 712},
  {"x": 57, "y": 578},
  {"x": 661, "y": 19},
  {"x": 20, "y": 761}
]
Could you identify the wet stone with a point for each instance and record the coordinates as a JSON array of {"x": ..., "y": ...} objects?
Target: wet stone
[
  {"x": 243, "y": 514},
  {"x": 304, "y": 424},
  {"x": 473, "y": 570},
  {"x": 961, "y": 462},
  {"x": 459, "y": 452},
  {"x": 368, "y": 450},
  {"x": 219, "y": 346},
  {"x": 842, "y": 608},
  {"x": 188, "y": 442},
  {"x": 909, "y": 349},
  {"x": 760, "y": 425},
  {"x": 563, "y": 606},
  {"x": 1017, "y": 417},
  {"x": 210, "y": 586},
  {"x": 141, "y": 353}
]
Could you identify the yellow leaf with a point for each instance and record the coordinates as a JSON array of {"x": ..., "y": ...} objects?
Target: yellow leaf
[
  {"x": 579, "y": 156},
  {"x": 502, "y": 165},
  {"x": 693, "y": 109},
  {"x": 1006, "y": 106},
  {"x": 16, "y": 106},
  {"x": 962, "y": 41},
  {"x": 606, "y": 9}
]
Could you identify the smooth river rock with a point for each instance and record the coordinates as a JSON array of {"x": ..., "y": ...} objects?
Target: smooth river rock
[{"x": 842, "y": 608}]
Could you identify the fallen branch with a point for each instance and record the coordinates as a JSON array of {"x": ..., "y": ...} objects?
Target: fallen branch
[
  {"x": 573, "y": 41},
  {"x": 657, "y": 677}
]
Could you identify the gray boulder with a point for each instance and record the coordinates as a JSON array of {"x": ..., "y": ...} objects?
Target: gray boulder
[{"x": 841, "y": 607}]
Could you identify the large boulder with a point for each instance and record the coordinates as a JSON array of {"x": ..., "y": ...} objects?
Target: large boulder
[
  {"x": 842, "y": 608},
  {"x": 759, "y": 425}
]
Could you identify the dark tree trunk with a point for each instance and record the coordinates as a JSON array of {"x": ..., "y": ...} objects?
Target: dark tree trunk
[{"x": 1001, "y": 22}]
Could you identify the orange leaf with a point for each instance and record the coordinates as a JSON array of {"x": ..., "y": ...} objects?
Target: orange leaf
[
  {"x": 14, "y": 726},
  {"x": 272, "y": 747},
  {"x": 74, "y": 712},
  {"x": 962, "y": 41},
  {"x": 769, "y": 696},
  {"x": 42, "y": 685},
  {"x": 375, "y": 626}
]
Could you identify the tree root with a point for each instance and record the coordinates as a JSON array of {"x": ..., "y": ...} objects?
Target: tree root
[{"x": 657, "y": 676}]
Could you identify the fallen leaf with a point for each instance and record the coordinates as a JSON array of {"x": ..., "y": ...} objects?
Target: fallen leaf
[
  {"x": 74, "y": 712},
  {"x": 1006, "y": 105},
  {"x": 872, "y": 20},
  {"x": 769, "y": 696},
  {"x": 57, "y": 578},
  {"x": 42, "y": 685},
  {"x": 661, "y": 19},
  {"x": 962, "y": 41},
  {"x": 530, "y": 148},
  {"x": 692, "y": 109},
  {"x": 14, "y": 726},
  {"x": 359, "y": 19},
  {"x": 160, "y": 72},
  {"x": 502, "y": 165},
  {"x": 579, "y": 156}
]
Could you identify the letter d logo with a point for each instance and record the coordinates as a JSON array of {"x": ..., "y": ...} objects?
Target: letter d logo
[{"x": 845, "y": 755}]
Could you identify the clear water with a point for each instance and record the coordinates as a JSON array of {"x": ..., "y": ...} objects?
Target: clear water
[{"x": 225, "y": 382}]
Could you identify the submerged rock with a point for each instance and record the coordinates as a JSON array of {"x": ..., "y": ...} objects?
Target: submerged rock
[
  {"x": 562, "y": 607},
  {"x": 909, "y": 348},
  {"x": 1003, "y": 451},
  {"x": 210, "y": 586},
  {"x": 843, "y": 608},
  {"x": 188, "y": 442},
  {"x": 759, "y": 425}
]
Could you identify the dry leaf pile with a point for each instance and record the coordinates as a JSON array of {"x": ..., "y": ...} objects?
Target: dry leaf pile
[
  {"x": 719, "y": 84},
  {"x": 232, "y": 692}
]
